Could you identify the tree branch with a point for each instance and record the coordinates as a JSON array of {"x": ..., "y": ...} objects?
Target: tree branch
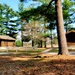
[{"x": 49, "y": 4}]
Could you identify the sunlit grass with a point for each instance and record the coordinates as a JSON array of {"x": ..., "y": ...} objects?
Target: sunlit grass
[
  {"x": 54, "y": 50},
  {"x": 32, "y": 52}
]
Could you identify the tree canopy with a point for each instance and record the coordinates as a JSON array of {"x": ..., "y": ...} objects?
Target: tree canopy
[
  {"x": 52, "y": 11},
  {"x": 8, "y": 20}
]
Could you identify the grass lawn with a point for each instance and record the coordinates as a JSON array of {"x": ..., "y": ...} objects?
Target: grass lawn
[
  {"x": 22, "y": 52},
  {"x": 54, "y": 50},
  {"x": 30, "y": 64}
]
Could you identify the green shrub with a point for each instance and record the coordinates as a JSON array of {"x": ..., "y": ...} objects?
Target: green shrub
[{"x": 18, "y": 43}]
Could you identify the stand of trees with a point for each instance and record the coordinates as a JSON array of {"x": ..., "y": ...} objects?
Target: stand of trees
[
  {"x": 8, "y": 21},
  {"x": 51, "y": 11}
]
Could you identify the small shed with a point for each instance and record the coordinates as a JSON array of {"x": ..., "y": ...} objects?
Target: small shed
[
  {"x": 70, "y": 36},
  {"x": 6, "y": 41}
]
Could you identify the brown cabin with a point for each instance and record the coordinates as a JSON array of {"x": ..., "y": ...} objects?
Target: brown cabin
[
  {"x": 6, "y": 41},
  {"x": 70, "y": 36}
]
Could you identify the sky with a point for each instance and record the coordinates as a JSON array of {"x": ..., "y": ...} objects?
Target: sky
[{"x": 14, "y": 3}]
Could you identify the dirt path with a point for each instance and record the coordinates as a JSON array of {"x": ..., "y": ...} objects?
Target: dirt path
[
  {"x": 47, "y": 51},
  {"x": 55, "y": 53}
]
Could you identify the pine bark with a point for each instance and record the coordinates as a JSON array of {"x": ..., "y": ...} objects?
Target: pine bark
[{"x": 60, "y": 29}]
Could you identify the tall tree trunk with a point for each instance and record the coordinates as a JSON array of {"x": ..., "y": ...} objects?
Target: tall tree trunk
[
  {"x": 51, "y": 39},
  {"x": 41, "y": 43},
  {"x": 32, "y": 43},
  {"x": 22, "y": 32},
  {"x": 45, "y": 44},
  {"x": 60, "y": 29}
]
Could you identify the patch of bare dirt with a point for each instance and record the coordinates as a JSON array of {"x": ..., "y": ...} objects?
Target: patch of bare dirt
[{"x": 45, "y": 65}]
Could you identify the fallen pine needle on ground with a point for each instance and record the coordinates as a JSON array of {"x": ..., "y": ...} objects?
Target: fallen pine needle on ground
[{"x": 44, "y": 64}]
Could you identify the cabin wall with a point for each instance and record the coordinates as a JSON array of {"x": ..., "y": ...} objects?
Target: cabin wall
[
  {"x": 70, "y": 39},
  {"x": 11, "y": 43},
  {"x": 5, "y": 43},
  {"x": 70, "y": 44}
]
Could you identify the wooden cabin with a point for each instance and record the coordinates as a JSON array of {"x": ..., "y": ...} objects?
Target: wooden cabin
[
  {"x": 70, "y": 36},
  {"x": 6, "y": 41}
]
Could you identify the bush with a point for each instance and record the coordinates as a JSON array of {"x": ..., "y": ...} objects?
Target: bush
[{"x": 18, "y": 43}]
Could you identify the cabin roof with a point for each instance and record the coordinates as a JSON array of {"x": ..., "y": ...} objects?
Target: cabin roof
[
  {"x": 5, "y": 37},
  {"x": 72, "y": 31}
]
